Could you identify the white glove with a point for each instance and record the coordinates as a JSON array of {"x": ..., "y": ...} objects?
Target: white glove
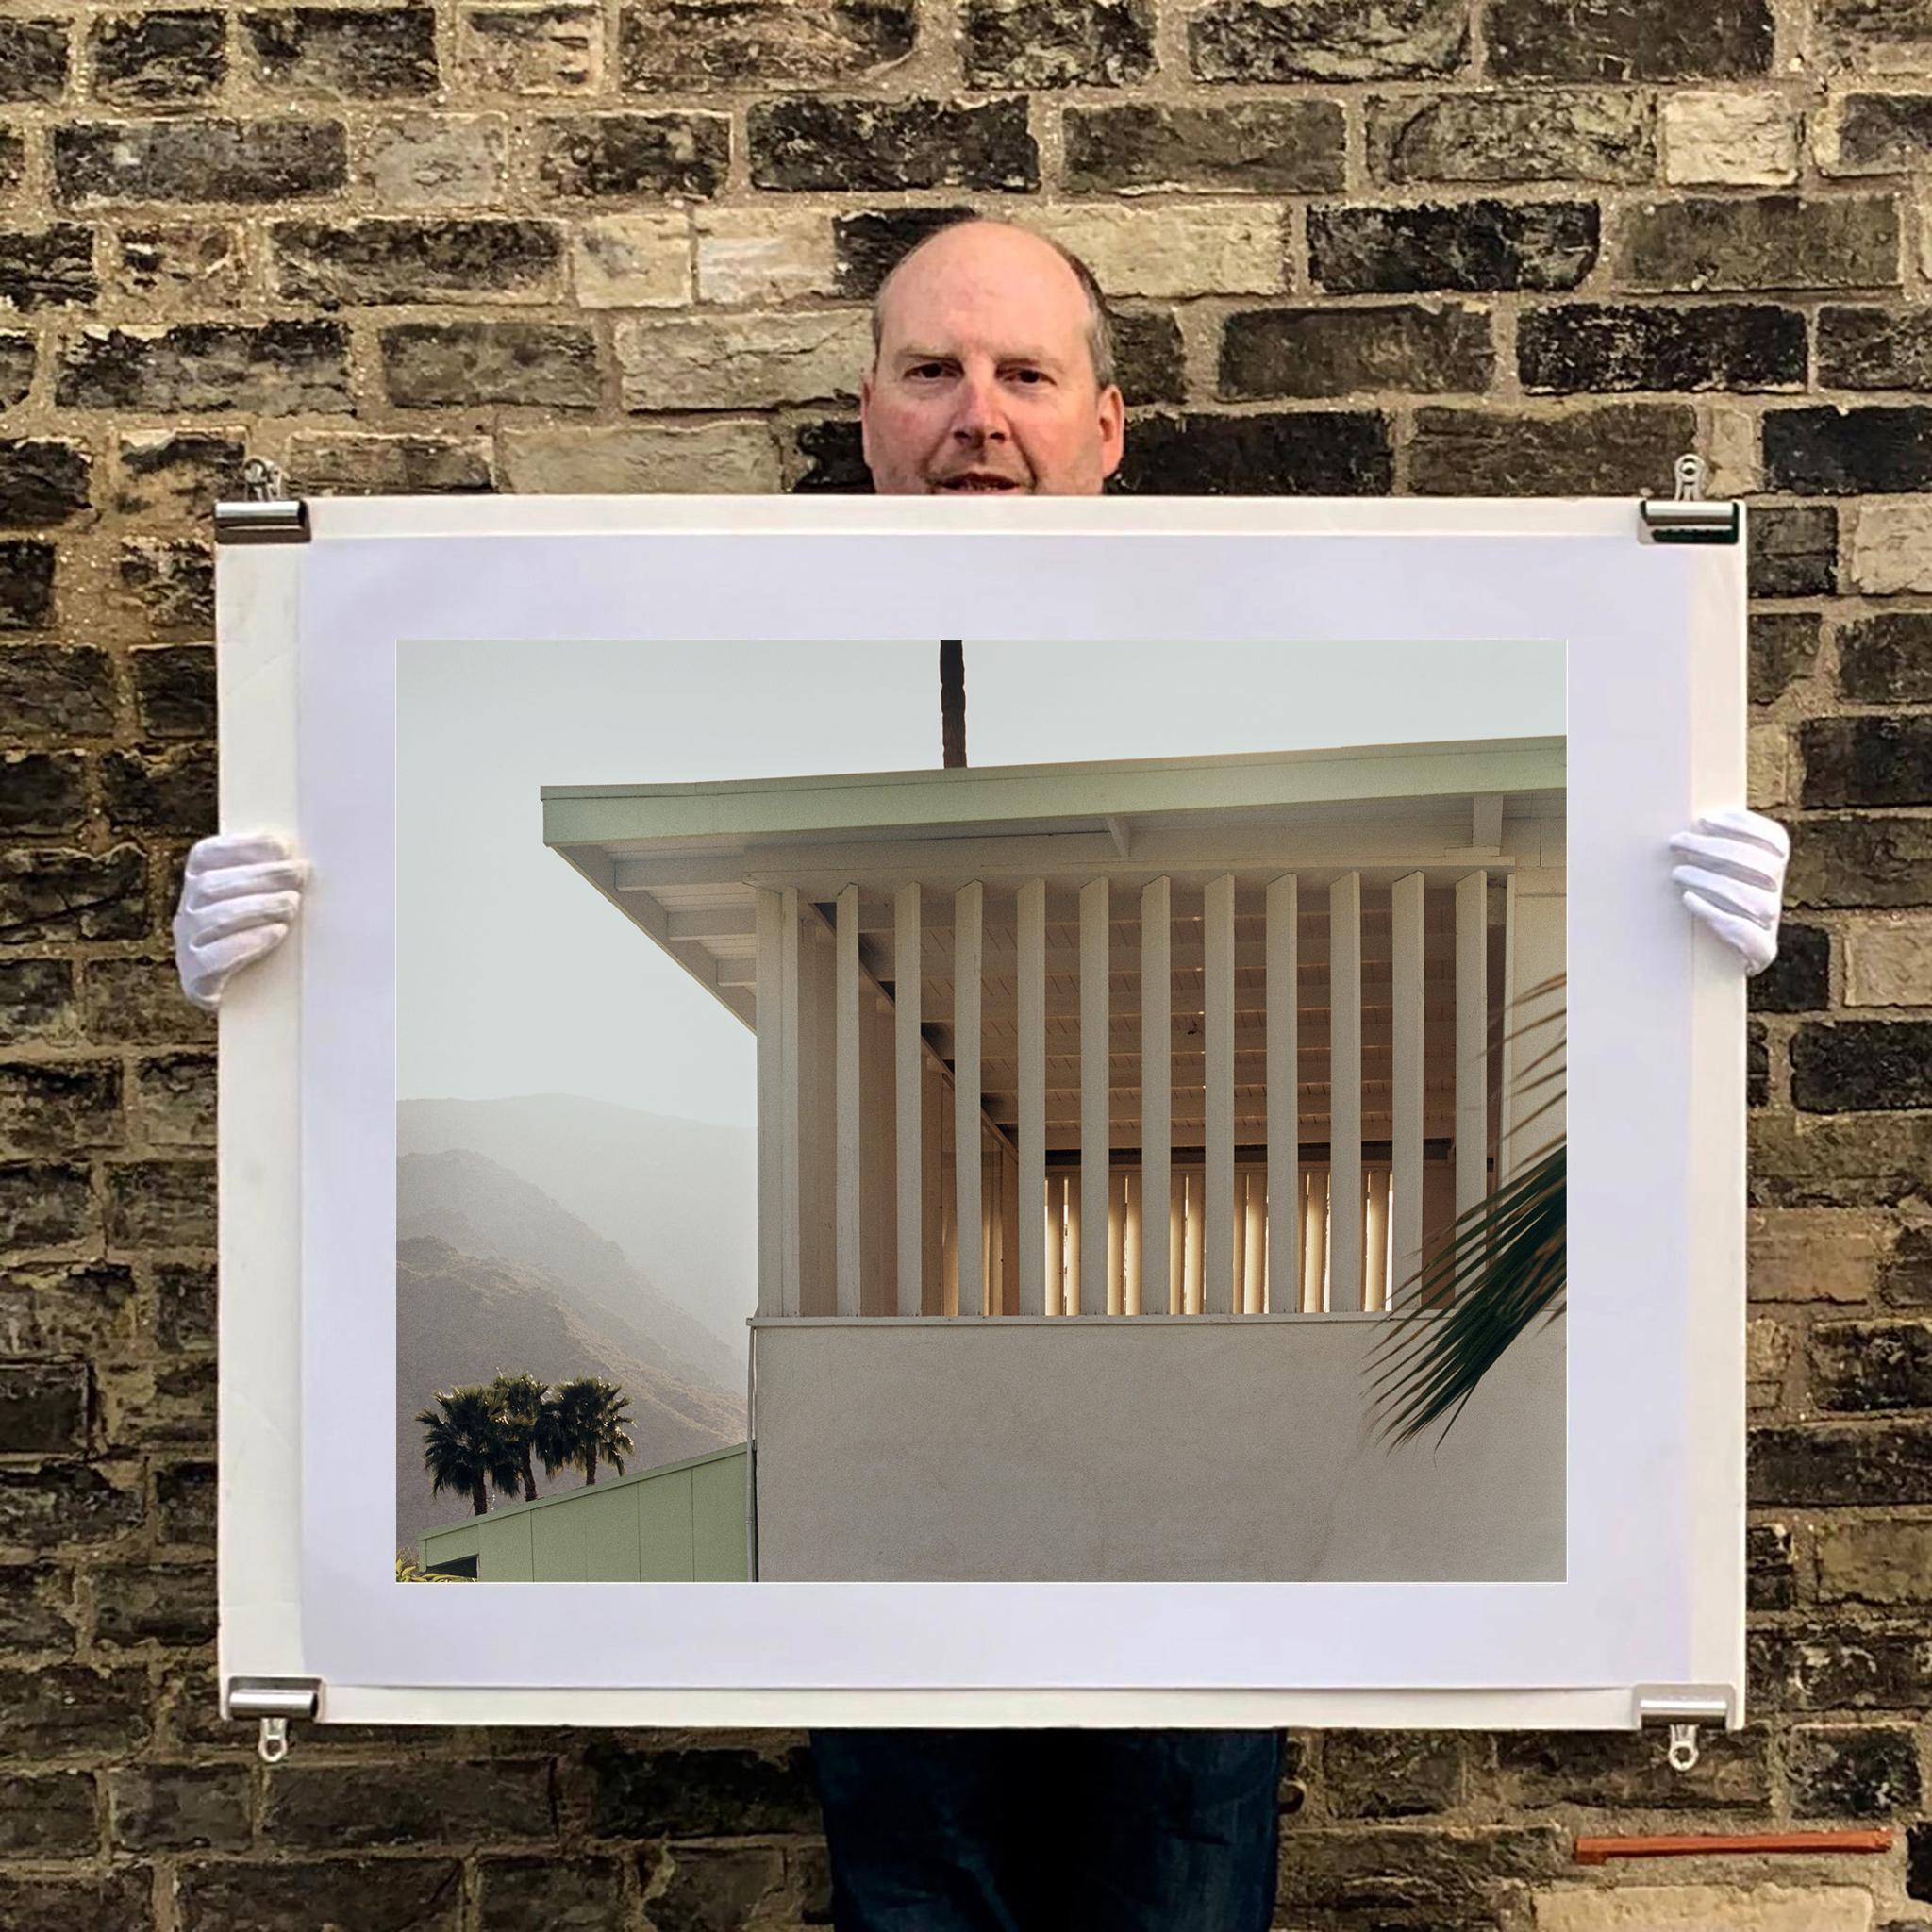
[
  {"x": 238, "y": 897},
  {"x": 1737, "y": 880}
]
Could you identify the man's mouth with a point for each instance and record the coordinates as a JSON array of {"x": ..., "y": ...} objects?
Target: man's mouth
[{"x": 976, "y": 480}]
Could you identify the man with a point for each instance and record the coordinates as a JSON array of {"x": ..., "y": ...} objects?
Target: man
[{"x": 992, "y": 372}]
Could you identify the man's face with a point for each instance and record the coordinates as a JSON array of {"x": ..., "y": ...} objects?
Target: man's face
[{"x": 984, "y": 381}]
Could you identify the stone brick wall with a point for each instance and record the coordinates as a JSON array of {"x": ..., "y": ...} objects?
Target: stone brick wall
[{"x": 1427, "y": 246}]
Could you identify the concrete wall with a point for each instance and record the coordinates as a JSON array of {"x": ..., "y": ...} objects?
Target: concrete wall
[{"x": 1187, "y": 1449}]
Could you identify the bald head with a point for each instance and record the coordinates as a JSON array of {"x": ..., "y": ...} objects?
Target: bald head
[{"x": 992, "y": 370}]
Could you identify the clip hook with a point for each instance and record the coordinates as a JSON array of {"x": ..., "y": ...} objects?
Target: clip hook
[
  {"x": 272, "y": 1744},
  {"x": 1683, "y": 1751},
  {"x": 1689, "y": 471}
]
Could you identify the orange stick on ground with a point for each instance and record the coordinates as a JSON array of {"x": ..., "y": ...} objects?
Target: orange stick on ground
[{"x": 1595, "y": 1851}]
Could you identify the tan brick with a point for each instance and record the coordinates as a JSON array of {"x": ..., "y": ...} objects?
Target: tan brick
[
  {"x": 1767, "y": 1353},
  {"x": 764, "y": 255},
  {"x": 1738, "y": 139},
  {"x": 1768, "y": 765},
  {"x": 1201, "y": 248},
  {"x": 739, "y": 362},
  {"x": 712, "y": 458},
  {"x": 1812, "y": 1254},
  {"x": 1737, "y": 463},
  {"x": 1877, "y": 1562},
  {"x": 1888, "y": 964},
  {"x": 438, "y": 161},
  {"x": 550, "y": 49},
  {"x": 1890, "y": 547},
  {"x": 632, "y": 261},
  {"x": 1704, "y": 1908}
]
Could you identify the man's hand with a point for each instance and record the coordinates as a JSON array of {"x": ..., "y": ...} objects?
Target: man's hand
[
  {"x": 238, "y": 897},
  {"x": 1736, "y": 880}
]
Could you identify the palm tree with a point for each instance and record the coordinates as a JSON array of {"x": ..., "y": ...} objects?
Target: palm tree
[
  {"x": 518, "y": 1401},
  {"x": 1502, "y": 1264},
  {"x": 586, "y": 1424},
  {"x": 465, "y": 1448}
]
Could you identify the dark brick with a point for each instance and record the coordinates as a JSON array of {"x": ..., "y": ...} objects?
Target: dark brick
[
  {"x": 175, "y": 1100},
  {"x": 172, "y": 476},
  {"x": 867, "y": 246},
  {"x": 66, "y": 1503},
  {"x": 147, "y": 58},
  {"x": 1628, "y": 39},
  {"x": 170, "y": 1603},
  {"x": 43, "y": 1408},
  {"x": 1336, "y": 352},
  {"x": 33, "y": 60},
  {"x": 1309, "y": 452},
  {"x": 1886, "y": 658},
  {"x": 1501, "y": 135},
  {"x": 13, "y": 161},
  {"x": 1314, "y": 40},
  {"x": 583, "y": 1896},
  {"x": 1869, "y": 1771},
  {"x": 417, "y": 260},
  {"x": 1613, "y": 1769},
  {"x": 370, "y": 1894},
  {"x": 1873, "y": 348},
  {"x": 185, "y": 1503},
  {"x": 42, "y": 481},
  {"x": 35, "y": 1000},
  {"x": 1771, "y": 1577},
  {"x": 215, "y": 160},
  {"x": 886, "y": 146},
  {"x": 174, "y": 690},
  {"x": 1793, "y": 550},
  {"x": 1905, "y": 1275},
  {"x": 1881, "y": 134},
  {"x": 48, "y": 893},
  {"x": 681, "y": 45},
  {"x": 1472, "y": 246},
  {"x": 1839, "y": 1160},
  {"x": 593, "y": 157},
  {"x": 1391, "y": 1774},
  {"x": 76, "y": 1310},
  {"x": 1708, "y": 244},
  {"x": 42, "y": 791},
  {"x": 112, "y": 1901},
  {"x": 1038, "y": 44},
  {"x": 1392, "y": 1876},
  {"x": 49, "y": 692},
  {"x": 710, "y": 1887},
  {"x": 59, "y": 1107},
  {"x": 179, "y": 1807},
  {"x": 44, "y": 1205},
  {"x": 1784, "y": 648},
  {"x": 1867, "y": 761},
  {"x": 708, "y": 1793},
  {"x": 48, "y": 268},
  {"x": 835, "y": 461},
  {"x": 1860, "y": 861},
  {"x": 350, "y": 464},
  {"x": 68, "y": 1710},
  {"x": 1842, "y": 1670},
  {"x": 16, "y": 368},
  {"x": 27, "y": 584},
  {"x": 546, "y": 365},
  {"x": 1799, "y": 979},
  {"x": 50, "y": 1817},
  {"x": 1729, "y": 345},
  {"x": 161, "y": 1204},
  {"x": 161, "y": 791},
  {"x": 1757, "y": 1065},
  {"x": 1619, "y": 449},
  {"x": 1823, "y": 1465},
  {"x": 170, "y": 582},
  {"x": 205, "y": 263},
  {"x": 1150, "y": 363},
  {"x": 387, "y": 53},
  {"x": 327, "y": 1806},
  {"x": 1837, "y": 452},
  {"x": 1270, "y": 148},
  {"x": 1861, "y": 1065},
  {"x": 1866, "y": 1367},
  {"x": 139, "y": 1001},
  {"x": 184, "y": 1305},
  {"x": 36, "y": 1608},
  {"x": 158, "y": 1405},
  {"x": 1918, "y": 1863},
  {"x": 274, "y": 369}
]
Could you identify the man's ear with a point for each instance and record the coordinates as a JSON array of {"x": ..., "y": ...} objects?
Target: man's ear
[
  {"x": 1113, "y": 428},
  {"x": 865, "y": 419}
]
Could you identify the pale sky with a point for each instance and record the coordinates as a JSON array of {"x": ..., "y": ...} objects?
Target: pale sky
[{"x": 515, "y": 976}]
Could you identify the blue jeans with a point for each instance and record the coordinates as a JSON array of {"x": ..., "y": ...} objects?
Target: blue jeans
[{"x": 1050, "y": 1831}]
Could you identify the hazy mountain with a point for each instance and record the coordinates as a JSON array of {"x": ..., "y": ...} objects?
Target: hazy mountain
[
  {"x": 678, "y": 1197},
  {"x": 481, "y": 1208},
  {"x": 460, "y": 1318}
]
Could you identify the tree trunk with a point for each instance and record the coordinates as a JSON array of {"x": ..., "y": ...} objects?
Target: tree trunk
[
  {"x": 479, "y": 1497},
  {"x": 589, "y": 1467},
  {"x": 952, "y": 703},
  {"x": 530, "y": 1477}
]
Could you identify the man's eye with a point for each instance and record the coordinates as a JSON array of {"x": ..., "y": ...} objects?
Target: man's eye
[
  {"x": 1034, "y": 376},
  {"x": 927, "y": 369}
]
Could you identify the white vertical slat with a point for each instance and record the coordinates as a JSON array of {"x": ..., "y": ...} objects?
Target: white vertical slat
[
  {"x": 1007, "y": 1297},
  {"x": 1238, "y": 1239},
  {"x": 1505, "y": 1153},
  {"x": 1217, "y": 951},
  {"x": 1036, "y": 1291},
  {"x": 1471, "y": 1040},
  {"x": 789, "y": 1093},
  {"x": 1374, "y": 1218},
  {"x": 1076, "y": 1191},
  {"x": 908, "y": 1058},
  {"x": 846, "y": 1082},
  {"x": 1190, "y": 1261},
  {"x": 1095, "y": 1112},
  {"x": 878, "y": 1134},
  {"x": 1284, "y": 1092},
  {"x": 1315, "y": 1248},
  {"x": 1405, "y": 1106},
  {"x": 1133, "y": 1262},
  {"x": 1157, "y": 1258},
  {"x": 1176, "y": 1246},
  {"x": 969, "y": 931},
  {"x": 1116, "y": 1244},
  {"x": 1056, "y": 1284},
  {"x": 936, "y": 1185},
  {"x": 769, "y": 912},
  {"x": 1345, "y": 1093},
  {"x": 1255, "y": 1247}
]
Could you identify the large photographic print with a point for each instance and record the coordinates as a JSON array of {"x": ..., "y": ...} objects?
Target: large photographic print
[{"x": 1136, "y": 1153}]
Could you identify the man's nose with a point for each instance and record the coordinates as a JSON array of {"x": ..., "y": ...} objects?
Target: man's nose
[{"x": 978, "y": 416}]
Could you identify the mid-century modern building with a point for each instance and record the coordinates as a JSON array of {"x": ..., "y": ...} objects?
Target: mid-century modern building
[{"x": 1106, "y": 1112}]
